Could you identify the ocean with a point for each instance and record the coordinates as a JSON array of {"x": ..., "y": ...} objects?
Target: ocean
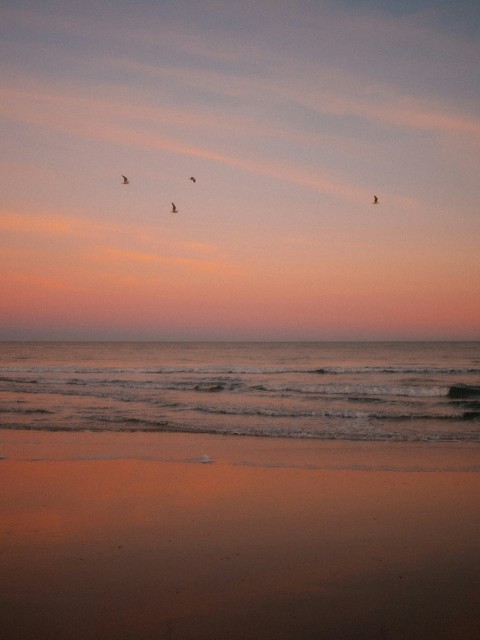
[{"x": 412, "y": 391}]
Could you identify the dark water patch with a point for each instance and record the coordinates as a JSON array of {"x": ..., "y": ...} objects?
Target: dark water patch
[
  {"x": 364, "y": 399},
  {"x": 350, "y": 416},
  {"x": 471, "y": 415},
  {"x": 466, "y": 404},
  {"x": 144, "y": 425},
  {"x": 209, "y": 388},
  {"x": 24, "y": 411},
  {"x": 49, "y": 428},
  {"x": 19, "y": 380},
  {"x": 463, "y": 391},
  {"x": 98, "y": 382},
  {"x": 406, "y": 417}
]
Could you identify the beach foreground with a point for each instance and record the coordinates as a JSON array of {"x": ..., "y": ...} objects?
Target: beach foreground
[{"x": 142, "y": 536}]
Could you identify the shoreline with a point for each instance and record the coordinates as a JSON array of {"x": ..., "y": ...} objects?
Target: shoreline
[
  {"x": 302, "y": 453},
  {"x": 147, "y": 536}
]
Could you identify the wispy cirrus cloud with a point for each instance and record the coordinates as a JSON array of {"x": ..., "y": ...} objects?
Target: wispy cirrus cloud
[
  {"x": 117, "y": 255},
  {"x": 44, "y": 225},
  {"x": 53, "y": 225},
  {"x": 74, "y": 116},
  {"x": 121, "y": 117},
  {"x": 335, "y": 92},
  {"x": 106, "y": 243},
  {"x": 49, "y": 111}
]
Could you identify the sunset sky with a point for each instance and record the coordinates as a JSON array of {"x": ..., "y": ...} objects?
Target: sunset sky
[{"x": 291, "y": 115}]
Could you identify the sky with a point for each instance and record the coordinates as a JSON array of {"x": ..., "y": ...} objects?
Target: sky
[{"x": 291, "y": 115}]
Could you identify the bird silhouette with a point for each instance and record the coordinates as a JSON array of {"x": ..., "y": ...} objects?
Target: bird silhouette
[
  {"x": 375, "y": 200},
  {"x": 125, "y": 180},
  {"x": 174, "y": 208},
  {"x": 193, "y": 179}
]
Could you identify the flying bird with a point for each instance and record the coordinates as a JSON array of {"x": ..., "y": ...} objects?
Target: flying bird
[
  {"x": 375, "y": 200},
  {"x": 125, "y": 180},
  {"x": 174, "y": 208},
  {"x": 193, "y": 179}
]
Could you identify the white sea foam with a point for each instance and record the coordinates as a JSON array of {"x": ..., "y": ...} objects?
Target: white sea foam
[
  {"x": 204, "y": 459},
  {"x": 248, "y": 370},
  {"x": 360, "y": 389}
]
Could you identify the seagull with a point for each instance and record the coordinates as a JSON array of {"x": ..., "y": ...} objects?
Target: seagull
[
  {"x": 193, "y": 179},
  {"x": 174, "y": 208},
  {"x": 375, "y": 200},
  {"x": 125, "y": 180}
]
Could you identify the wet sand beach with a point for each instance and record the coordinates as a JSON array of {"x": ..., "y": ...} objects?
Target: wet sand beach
[{"x": 143, "y": 536}]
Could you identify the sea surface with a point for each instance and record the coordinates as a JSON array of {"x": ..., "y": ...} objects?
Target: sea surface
[{"x": 349, "y": 391}]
